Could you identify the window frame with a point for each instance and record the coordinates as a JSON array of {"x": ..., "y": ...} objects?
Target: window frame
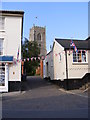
[
  {"x": 77, "y": 56},
  {"x": 2, "y": 22},
  {"x": 1, "y": 49}
]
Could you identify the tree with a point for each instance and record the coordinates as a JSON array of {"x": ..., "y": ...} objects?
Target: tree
[{"x": 29, "y": 50}]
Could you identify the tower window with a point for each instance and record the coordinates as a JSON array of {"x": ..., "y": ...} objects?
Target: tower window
[
  {"x": 39, "y": 36},
  {"x": 39, "y": 45}
]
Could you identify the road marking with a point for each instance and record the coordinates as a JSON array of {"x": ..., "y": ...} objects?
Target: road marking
[{"x": 73, "y": 93}]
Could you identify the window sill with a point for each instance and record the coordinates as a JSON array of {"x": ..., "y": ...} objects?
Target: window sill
[
  {"x": 80, "y": 63},
  {"x": 2, "y": 30}
]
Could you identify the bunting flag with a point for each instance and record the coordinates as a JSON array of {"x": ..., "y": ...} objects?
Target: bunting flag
[
  {"x": 35, "y": 58},
  {"x": 38, "y": 58},
  {"x": 27, "y": 59},
  {"x": 24, "y": 60},
  {"x": 45, "y": 56},
  {"x": 74, "y": 46},
  {"x": 42, "y": 57},
  {"x": 32, "y": 59}
]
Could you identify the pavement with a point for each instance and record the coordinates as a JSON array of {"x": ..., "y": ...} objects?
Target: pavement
[{"x": 43, "y": 99}]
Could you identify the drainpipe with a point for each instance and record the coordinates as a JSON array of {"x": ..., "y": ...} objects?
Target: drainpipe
[{"x": 66, "y": 70}]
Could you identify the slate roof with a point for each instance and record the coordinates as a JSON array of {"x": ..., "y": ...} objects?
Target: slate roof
[
  {"x": 80, "y": 44},
  {"x": 11, "y": 12}
]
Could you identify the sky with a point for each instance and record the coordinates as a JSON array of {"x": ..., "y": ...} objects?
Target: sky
[{"x": 62, "y": 19}]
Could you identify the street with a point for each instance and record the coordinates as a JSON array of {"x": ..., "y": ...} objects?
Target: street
[{"x": 43, "y": 99}]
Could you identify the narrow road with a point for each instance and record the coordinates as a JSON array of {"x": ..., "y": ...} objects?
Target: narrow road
[{"x": 42, "y": 99}]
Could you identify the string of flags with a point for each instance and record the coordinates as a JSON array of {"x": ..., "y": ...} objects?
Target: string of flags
[
  {"x": 63, "y": 52},
  {"x": 42, "y": 57},
  {"x": 27, "y": 59}
]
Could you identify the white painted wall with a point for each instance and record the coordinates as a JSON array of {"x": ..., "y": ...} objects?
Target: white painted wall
[
  {"x": 58, "y": 69},
  {"x": 59, "y": 66},
  {"x": 49, "y": 70},
  {"x": 76, "y": 70},
  {"x": 89, "y": 61},
  {"x": 12, "y": 40}
]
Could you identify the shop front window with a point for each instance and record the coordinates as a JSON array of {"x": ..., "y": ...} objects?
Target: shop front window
[{"x": 2, "y": 75}]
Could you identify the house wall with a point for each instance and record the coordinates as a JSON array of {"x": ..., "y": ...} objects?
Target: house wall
[
  {"x": 89, "y": 61},
  {"x": 44, "y": 69},
  {"x": 76, "y": 70},
  {"x": 48, "y": 70},
  {"x": 59, "y": 65},
  {"x": 47, "y": 66},
  {"x": 12, "y": 41}
]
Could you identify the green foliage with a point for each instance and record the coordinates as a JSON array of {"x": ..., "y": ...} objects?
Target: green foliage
[{"x": 30, "y": 49}]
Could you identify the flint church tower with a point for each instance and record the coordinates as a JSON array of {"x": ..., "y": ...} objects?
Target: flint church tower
[{"x": 39, "y": 34}]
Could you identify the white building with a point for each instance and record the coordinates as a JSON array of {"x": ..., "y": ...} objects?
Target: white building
[
  {"x": 64, "y": 63},
  {"x": 11, "y": 28}
]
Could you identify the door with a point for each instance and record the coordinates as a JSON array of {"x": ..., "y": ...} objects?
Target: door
[{"x": 3, "y": 77}]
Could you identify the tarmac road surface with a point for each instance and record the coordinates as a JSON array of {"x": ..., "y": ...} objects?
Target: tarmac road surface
[{"x": 43, "y": 99}]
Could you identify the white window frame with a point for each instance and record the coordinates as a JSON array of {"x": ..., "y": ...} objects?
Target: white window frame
[
  {"x": 77, "y": 60},
  {"x": 2, "y": 23},
  {"x": 1, "y": 49}
]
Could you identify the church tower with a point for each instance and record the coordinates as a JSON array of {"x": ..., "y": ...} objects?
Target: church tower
[{"x": 39, "y": 34}]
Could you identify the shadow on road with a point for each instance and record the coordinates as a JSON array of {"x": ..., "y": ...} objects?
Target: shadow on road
[{"x": 33, "y": 82}]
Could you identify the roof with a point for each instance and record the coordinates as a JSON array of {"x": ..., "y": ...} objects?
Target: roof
[
  {"x": 11, "y": 12},
  {"x": 80, "y": 44}
]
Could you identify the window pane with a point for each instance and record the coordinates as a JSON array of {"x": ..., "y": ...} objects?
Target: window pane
[
  {"x": 2, "y": 20},
  {"x": 2, "y": 75},
  {"x": 79, "y": 56},
  {"x": 83, "y": 56},
  {"x": 74, "y": 57}
]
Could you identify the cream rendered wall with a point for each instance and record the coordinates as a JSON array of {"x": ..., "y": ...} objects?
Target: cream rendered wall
[
  {"x": 51, "y": 66},
  {"x": 50, "y": 71},
  {"x": 77, "y": 70},
  {"x": 88, "y": 61},
  {"x": 47, "y": 72},
  {"x": 59, "y": 66},
  {"x": 11, "y": 43}
]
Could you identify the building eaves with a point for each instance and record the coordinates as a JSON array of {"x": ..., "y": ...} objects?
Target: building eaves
[
  {"x": 80, "y": 44},
  {"x": 11, "y": 12}
]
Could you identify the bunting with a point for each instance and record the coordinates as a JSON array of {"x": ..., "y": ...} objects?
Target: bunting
[{"x": 42, "y": 57}]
